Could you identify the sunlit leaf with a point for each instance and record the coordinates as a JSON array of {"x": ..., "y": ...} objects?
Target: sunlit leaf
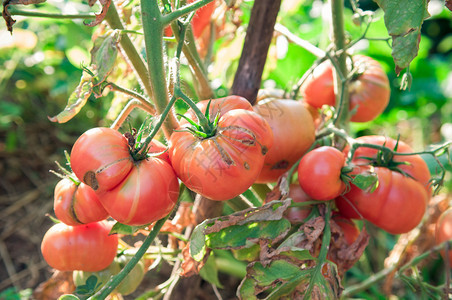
[
  {"x": 76, "y": 100},
  {"x": 404, "y": 19}
]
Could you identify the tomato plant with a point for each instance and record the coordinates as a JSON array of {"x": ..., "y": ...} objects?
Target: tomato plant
[
  {"x": 77, "y": 204},
  {"x": 444, "y": 231},
  {"x": 318, "y": 89},
  {"x": 226, "y": 163},
  {"x": 86, "y": 247},
  {"x": 319, "y": 173},
  {"x": 101, "y": 158},
  {"x": 293, "y": 132}
]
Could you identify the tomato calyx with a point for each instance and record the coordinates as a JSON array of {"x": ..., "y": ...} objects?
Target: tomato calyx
[{"x": 205, "y": 130}]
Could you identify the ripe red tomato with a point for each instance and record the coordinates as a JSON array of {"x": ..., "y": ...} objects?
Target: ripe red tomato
[
  {"x": 86, "y": 247},
  {"x": 397, "y": 205},
  {"x": 293, "y": 132},
  {"x": 351, "y": 231},
  {"x": 369, "y": 88},
  {"x": 147, "y": 194},
  {"x": 226, "y": 164},
  {"x": 101, "y": 158},
  {"x": 319, "y": 173},
  {"x": 318, "y": 88},
  {"x": 444, "y": 231},
  {"x": 415, "y": 166},
  {"x": 298, "y": 214},
  {"x": 77, "y": 204}
]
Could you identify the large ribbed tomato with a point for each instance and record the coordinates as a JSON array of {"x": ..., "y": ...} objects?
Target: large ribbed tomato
[
  {"x": 101, "y": 158},
  {"x": 77, "y": 204},
  {"x": 369, "y": 88},
  {"x": 444, "y": 231},
  {"x": 412, "y": 165},
  {"x": 397, "y": 205},
  {"x": 224, "y": 165},
  {"x": 147, "y": 194},
  {"x": 293, "y": 133},
  {"x": 319, "y": 173},
  {"x": 86, "y": 247}
]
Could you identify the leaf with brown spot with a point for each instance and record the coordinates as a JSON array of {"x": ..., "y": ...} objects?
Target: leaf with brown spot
[
  {"x": 190, "y": 266},
  {"x": 7, "y": 15}
]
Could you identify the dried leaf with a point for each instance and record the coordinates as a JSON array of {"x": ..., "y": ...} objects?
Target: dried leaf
[
  {"x": 312, "y": 229},
  {"x": 99, "y": 17},
  {"x": 449, "y": 4},
  {"x": 103, "y": 55},
  {"x": 76, "y": 100},
  {"x": 7, "y": 15},
  {"x": 59, "y": 284},
  {"x": 189, "y": 265}
]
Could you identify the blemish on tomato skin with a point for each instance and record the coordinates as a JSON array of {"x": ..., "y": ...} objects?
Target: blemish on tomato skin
[
  {"x": 90, "y": 179},
  {"x": 246, "y": 165},
  {"x": 283, "y": 164}
]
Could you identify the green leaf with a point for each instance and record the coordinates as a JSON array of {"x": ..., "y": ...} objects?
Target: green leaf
[
  {"x": 209, "y": 272},
  {"x": 103, "y": 55},
  {"x": 125, "y": 229},
  {"x": 366, "y": 182},
  {"x": 76, "y": 100},
  {"x": 198, "y": 242},
  {"x": 403, "y": 19}
]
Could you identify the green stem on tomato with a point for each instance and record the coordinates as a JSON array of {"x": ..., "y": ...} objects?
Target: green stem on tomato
[
  {"x": 131, "y": 105},
  {"x": 153, "y": 26},
  {"x": 14, "y": 11},
  {"x": 342, "y": 98},
  {"x": 168, "y": 18},
  {"x": 116, "y": 280},
  {"x": 135, "y": 95}
]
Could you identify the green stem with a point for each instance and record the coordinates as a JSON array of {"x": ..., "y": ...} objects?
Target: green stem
[
  {"x": 238, "y": 203},
  {"x": 116, "y": 280},
  {"x": 342, "y": 99},
  {"x": 168, "y": 18},
  {"x": 28, "y": 13},
  {"x": 153, "y": 26},
  {"x": 201, "y": 117},
  {"x": 126, "y": 112},
  {"x": 135, "y": 95},
  {"x": 261, "y": 190}
]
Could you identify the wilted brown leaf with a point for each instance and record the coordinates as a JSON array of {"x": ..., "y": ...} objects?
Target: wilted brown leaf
[
  {"x": 449, "y": 4},
  {"x": 190, "y": 266},
  {"x": 99, "y": 17},
  {"x": 313, "y": 229},
  {"x": 59, "y": 284},
  {"x": 7, "y": 15}
]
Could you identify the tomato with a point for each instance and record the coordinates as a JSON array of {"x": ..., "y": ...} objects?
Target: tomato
[
  {"x": 414, "y": 165},
  {"x": 444, "y": 231},
  {"x": 101, "y": 158},
  {"x": 293, "y": 132},
  {"x": 319, "y": 173},
  {"x": 349, "y": 228},
  {"x": 86, "y": 247},
  {"x": 226, "y": 164},
  {"x": 369, "y": 88},
  {"x": 147, "y": 194},
  {"x": 77, "y": 204},
  {"x": 298, "y": 214},
  {"x": 318, "y": 88},
  {"x": 397, "y": 205},
  {"x": 127, "y": 286}
]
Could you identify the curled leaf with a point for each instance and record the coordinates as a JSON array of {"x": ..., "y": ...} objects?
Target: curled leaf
[
  {"x": 76, "y": 100},
  {"x": 7, "y": 15},
  {"x": 99, "y": 17}
]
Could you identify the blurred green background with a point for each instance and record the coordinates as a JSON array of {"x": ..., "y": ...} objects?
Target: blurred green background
[{"x": 40, "y": 66}]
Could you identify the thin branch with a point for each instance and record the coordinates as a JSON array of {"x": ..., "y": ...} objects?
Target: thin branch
[
  {"x": 37, "y": 14},
  {"x": 299, "y": 41}
]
